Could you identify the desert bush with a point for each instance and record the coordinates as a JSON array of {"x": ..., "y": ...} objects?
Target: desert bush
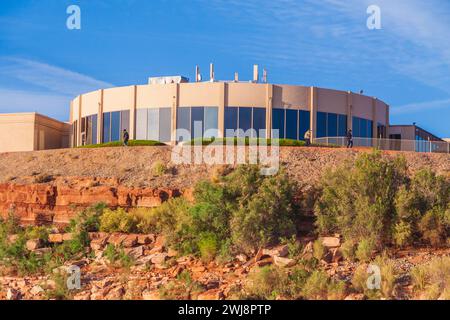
[
  {"x": 348, "y": 250},
  {"x": 336, "y": 290},
  {"x": 159, "y": 168},
  {"x": 118, "y": 221},
  {"x": 208, "y": 246},
  {"x": 358, "y": 200},
  {"x": 433, "y": 227},
  {"x": 402, "y": 233},
  {"x": 365, "y": 250},
  {"x": 432, "y": 280},
  {"x": 265, "y": 283},
  {"x": 265, "y": 216},
  {"x": 37, "y": 232},
  {"x": 421, "y": 209},
  {"x": 319, "y": 249},
  {"x": 294, "y": 246},
  {"x": 316, "y": 287},
  {"x": 387, "y": 277},
  {"x": 117, "y": 257}
]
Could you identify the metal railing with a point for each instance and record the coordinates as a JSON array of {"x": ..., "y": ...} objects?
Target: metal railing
[{"x": 388, "y": 144}]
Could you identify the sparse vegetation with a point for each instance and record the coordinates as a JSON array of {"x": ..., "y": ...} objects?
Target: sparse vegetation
[
  {"x": 131, "y": 143},
  {"x": 159, "y": 168}
]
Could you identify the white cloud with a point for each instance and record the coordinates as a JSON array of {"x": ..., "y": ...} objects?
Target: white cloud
[
  {"x": 50, "y": 77},
  {"x": 417, "y": 107}
]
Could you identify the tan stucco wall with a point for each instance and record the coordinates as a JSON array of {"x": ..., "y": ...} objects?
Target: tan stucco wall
[
  {"x": 31, "y": 131},
  {"x": 221, "y": 94}
]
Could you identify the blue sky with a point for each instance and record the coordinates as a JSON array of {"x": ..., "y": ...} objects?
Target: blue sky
[{"x": 322, "y": 43}]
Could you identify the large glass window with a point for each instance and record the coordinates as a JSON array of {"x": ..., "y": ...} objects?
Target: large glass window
[
  {"x": 211, "y": 122},
  {"x": 165, "y": 124},
  {"x": 321, "y": 124},
  {"x": 278, "y": 122},
  {"x": 197, "y": 119},
  {"x": 106, "y": 127},
  {"x": 355, "y": 124},
  {"x": 94, "y": 129},
  {"x": 115, "y": 126},
  {"x": 304, "y": 119},
  {"x": 141, "y": 124},
  {"x": 342, "y": 125},
  {"x": 259, "y": 122},
  {"x": 245, "y": 118},
  {"x": 332, "y": 125},
  {"x": 291, "y": 124},
  {"x": 152, "y": 124},
  {"x": 231, "y": 119}
]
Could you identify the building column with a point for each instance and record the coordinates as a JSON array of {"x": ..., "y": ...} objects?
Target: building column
[
  {"x": 223, "y": 98},
  {"x": 313, "y": 112},
  {"x": 175, "y": 103},
  {"x": 349, "y": 111},
  {"x": 133, "y": 115},
  {"x": 80, "y": 105},
  {"x": 387, "y": 121},
  {"x": 269, "y": 107},
  {"x": 374, "y": 118},
  {"x": 100, "y": 118}
]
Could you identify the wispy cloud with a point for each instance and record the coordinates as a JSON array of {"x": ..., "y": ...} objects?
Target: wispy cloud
[
  {"x": 49, "y": 77},
  {"x": 417, "y": 107},
  {"x": 28, "y": 86}
]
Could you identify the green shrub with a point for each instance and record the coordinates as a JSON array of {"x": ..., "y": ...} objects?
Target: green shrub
[
  {"x": 422, "y": 205},
  {"x": 265, "y": 217},
  {"x": 159, "y": 168},
  {"x": 336, "y": 290},
  {"x": 294, "y": 246},
  {"x": 118, "y": 221},
  {"x": 208, "y": 246},
  {"x": 432, "y": 227},
  {"x": 319, "y": 249},
  {"x": 265, "y": 283},
  {"x": 358, "y": 200},
  {"x": 131, "y": 143},
  {"x": 432, "y": 280},
  {"x": 316, "y": 287},
  {"x": 348, "y": 250},
  {"x": 402, "y": 233},
  {"x": 117, "y": 257},
  {"x": 37, "y": 232},
  {"x": 365, "y": 250}
]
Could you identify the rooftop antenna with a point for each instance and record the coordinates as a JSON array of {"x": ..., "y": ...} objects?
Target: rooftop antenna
[
  {"x": 236, "y": 77},
  {"x": 264, "y": 78},
  {"x": 255, "y": 73},
  {"x": 211, "y": 72},
  {"x": 198, "y": 76}
]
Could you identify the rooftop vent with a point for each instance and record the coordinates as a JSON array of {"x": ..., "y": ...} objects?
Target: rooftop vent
[{"x": 169, "y": 79}]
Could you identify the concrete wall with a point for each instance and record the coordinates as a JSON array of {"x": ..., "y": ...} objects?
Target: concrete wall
[{"x": 31, "y": 131}]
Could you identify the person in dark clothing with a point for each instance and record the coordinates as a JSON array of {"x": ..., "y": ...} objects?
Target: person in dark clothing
[
  {"x": 349, "y": 139},
  {"x": 126, "y": 137}
]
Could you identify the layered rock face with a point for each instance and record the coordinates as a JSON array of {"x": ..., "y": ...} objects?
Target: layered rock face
[{"x": 61, "y": 200}]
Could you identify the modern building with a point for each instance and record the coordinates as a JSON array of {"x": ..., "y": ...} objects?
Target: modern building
[
  {"x": 212, "y": 108},
  {"x": 153, "y": 111},
  {"x": 32, "y": 131}
]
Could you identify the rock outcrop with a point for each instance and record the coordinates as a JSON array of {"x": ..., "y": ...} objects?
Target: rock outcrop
[{"x": 59, "y": 201}]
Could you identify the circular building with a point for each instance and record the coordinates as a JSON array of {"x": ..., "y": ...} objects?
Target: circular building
[{"x": 218, "y": 108}]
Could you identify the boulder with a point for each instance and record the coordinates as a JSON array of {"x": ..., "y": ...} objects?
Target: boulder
[
  {"x": 13, "y": 294},
  {"x": 99, "y": 243},
  {"x": 284, "y": 262},
  {"x": 36, "y": 290},
  {"x": 55, "y": 238},
  {"x": 158, "y": 258},
  {"x": 145, "y": 238},
  {"x": 280, "y": 251},
  {"x": 264, "y": 262},
  {"x": 67, "y": 236},
  {"x": 135, "y": 253},
  {"x": 331, "y": 242},
  {"x": 34, "y": 244}
]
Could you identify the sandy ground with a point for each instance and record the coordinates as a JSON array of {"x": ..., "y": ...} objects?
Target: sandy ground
[{"x": 134, "y": 166}]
